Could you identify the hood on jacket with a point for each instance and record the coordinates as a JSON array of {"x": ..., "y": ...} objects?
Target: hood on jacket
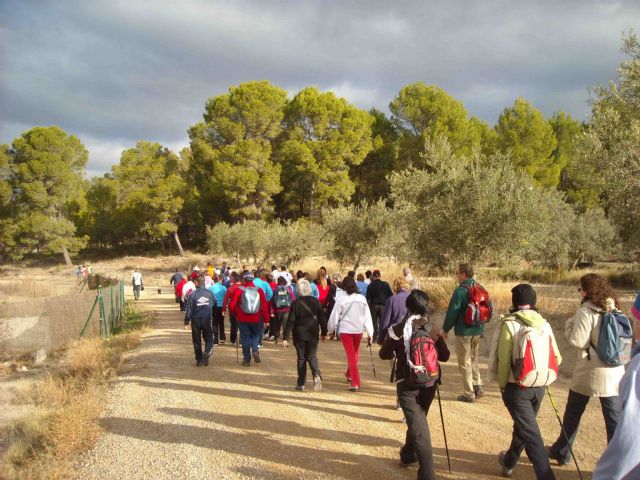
[{"x": 530, "y": 318}]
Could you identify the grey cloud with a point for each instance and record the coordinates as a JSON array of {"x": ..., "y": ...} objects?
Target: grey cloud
[{"x": 117, "y": 72}]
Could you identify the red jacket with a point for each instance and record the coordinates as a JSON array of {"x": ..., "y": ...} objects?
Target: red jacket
[
  {"x": 227, "y": 296},
  {"x": 234, "y": 306},
  {"x": 179, "y": 285}
]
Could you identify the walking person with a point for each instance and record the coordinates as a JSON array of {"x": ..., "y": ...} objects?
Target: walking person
[
  {"x": 414, "y": 284},
  {"x": 138, "y": 286},
  {"x": 306, "y": 321},
  {"x": 249, "y": 305},
  {"x": 467, "y": 337},
  {"x": 361, "y": 284},
  {"x": 591, "y": 377},
  {"x": 395, "y": 309},
  {"x": 283, "y": 298},
  {"x": 349, "y": 318},
  {"x": 415, "y": 399},
  {"x": 378, "y": 292},
  {"x": 178, "y": 292},
  {"x": 198, "y": 318},
  {"x": 323, "y": 287},
  {"x": 219, "y": 292},
  {"x": 235, "y": 283},
  {"x": 523, "y": 402}
]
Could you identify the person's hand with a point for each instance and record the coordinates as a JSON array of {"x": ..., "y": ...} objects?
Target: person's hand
[
  {"x": 187, "y": 326},
  {"x": 369, "y": 342},
  {"x": 323, "y": 338},
  {"x": 285, "y": 344}
]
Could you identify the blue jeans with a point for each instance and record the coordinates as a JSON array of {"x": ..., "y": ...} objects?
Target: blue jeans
[
  {"x": 249, "y": 338},
  {"x": 576, "y": 404}
]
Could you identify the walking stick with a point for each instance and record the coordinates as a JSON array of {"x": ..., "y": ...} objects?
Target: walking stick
[
  {"x": 372, "y": 364},
  {"x": 444, "y": 432},
  {"x": 564, "y": 433}
]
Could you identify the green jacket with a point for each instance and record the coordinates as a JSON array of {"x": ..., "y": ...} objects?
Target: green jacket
[
  {"x": 457, "y": 308},
  {"x": 503, "y": 351}
]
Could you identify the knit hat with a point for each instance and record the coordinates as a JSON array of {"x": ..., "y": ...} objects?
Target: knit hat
[
  {"x": 523, "y": 295},
  {"x": 247, "y": 276}
]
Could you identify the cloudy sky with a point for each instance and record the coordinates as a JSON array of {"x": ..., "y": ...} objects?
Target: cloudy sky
[{"x": 116, "y": 71}]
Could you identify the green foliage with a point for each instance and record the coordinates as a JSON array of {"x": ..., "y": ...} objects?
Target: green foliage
[
  {"x": 324, "y": 137},
  {"x": 232, "y": 166},
  {"x": 40, "y": 179},
  {"x": 592, "y": 236},
  {"x": 423, "y": 113},
  {"x": 529, "y": 139}
]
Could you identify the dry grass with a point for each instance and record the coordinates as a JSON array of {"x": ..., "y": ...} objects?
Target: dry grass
[{"x": 67, "y": 407}]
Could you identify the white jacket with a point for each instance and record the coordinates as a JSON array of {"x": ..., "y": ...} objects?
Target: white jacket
[{"x": 352, "y": 311}]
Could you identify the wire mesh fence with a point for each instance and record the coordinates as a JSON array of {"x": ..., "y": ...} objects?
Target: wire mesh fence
[{"x": 51, "y": 322}]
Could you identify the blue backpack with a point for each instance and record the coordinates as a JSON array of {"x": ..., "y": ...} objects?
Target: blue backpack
[{"x": 615, "y": 339}]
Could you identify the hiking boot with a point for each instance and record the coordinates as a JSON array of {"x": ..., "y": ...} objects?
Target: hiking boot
[
  {"x": 222, "y": 342},
  {"x": 256, "y": 357},
  {"x": 466, "y": 399},
  {"x": 354, "y": 389},
  {"x": 317, "y": 383},
  {"x": 398, "y": 407},
  {"x": 506, "y": 471},
  {"x": 199, "y": 363},
  {"x": 205, "y": 362},
  {"x": 553, "y": 456},
  {"x": 300, "y": 388},
  {"x": 246, "y": 363},
  {"x": 478, "y": 390},
  {"x": 403, "y": 464}
]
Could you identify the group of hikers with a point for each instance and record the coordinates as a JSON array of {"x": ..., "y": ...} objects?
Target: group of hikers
[{"x": 523, "y": 359}]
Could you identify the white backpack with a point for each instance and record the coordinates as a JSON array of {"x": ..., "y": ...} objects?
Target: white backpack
[{"x": 534, "y": 362}]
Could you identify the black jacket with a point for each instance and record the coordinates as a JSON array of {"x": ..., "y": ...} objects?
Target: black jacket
[
  {"x": 306, "y": 325},
  {"x": 199, "y": 305},
  {"x": 377, "y": 292},
  {"x": 393, "y": 346}
]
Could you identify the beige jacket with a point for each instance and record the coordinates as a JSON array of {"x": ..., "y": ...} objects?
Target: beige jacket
[{"x": 591, "y": 377}]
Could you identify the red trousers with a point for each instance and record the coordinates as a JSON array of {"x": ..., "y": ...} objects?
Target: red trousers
[{"x": 351, "y": 344}]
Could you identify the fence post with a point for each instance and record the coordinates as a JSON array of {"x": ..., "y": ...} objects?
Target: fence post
[
  {"x": 103, "y": 318},
  {"x": 112, "y": 292}
]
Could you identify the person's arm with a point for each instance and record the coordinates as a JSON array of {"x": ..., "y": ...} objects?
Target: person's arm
[
  {"x": 443, "y": 350},
  {"x": 288, "y": 328},
  {"x": 385, "y": 321},
  {"x": 369, "y": 295},
  {"x": 368, "y": 321},
  {"x": 268, "y": 291},
  {"x": 578, "y": 329},
  {"x": 453, "y": 311},
  {"x": 505, "y": 348},
  {"x": 388, "y": 349},
  {"x": 333, "y": 319}
]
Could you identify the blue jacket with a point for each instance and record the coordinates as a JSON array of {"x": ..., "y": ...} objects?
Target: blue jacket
[
  {"x": 199, "y": 305},
  {"x": 394, "y": 311},
  {"x": 219, "y": 292},
  {"x": 264, "y": 286}
]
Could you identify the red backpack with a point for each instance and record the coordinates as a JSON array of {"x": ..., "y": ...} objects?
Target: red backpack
[
  {"x": 424, "y": 356},
  {"x": 480, "y": 308}
]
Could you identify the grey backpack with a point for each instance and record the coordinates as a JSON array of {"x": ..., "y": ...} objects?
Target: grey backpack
[{"x": 250, "y": 300}]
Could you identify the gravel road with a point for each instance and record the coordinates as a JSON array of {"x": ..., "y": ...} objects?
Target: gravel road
[{"x": 166, "y": 419}]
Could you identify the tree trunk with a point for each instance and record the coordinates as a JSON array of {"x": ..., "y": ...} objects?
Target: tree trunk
[
  {"x": 178, "y": 244},
  {"x": 357, "y": 264},
  {"x": 67, "y": 258}
]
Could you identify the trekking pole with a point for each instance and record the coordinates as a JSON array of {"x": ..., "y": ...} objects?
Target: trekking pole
[
  {"x": 564, "y": 433},
  {"x": 444, "y": 432},
  {"x": 372, "y": 364}
]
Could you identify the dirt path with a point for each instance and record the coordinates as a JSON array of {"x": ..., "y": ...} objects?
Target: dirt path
[{"x": 168, "y": 419}]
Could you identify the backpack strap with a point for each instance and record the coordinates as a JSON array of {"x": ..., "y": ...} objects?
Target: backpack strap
[{"x": 306, "y": 307}]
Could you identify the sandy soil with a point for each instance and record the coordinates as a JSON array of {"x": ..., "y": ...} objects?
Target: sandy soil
[{"x": 166, "y": 418}]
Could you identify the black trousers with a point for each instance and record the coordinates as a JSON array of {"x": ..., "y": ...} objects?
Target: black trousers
[
  {"x": 233, "y": 328},
  {"x": 278, "y": 322},
  {"x": 218, "y": 324},
  {"x": 201, "y": 328},
  {"x": 415, "y": 404},
  {"x": 307, "y": 353},
  {"x": 523, "y": 405},
  {"x": 576, "y": 404},
  {"x": 376, "y": 315}
]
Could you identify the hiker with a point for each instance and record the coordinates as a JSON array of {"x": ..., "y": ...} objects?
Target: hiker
[
  {"x": 591, "y": 377},
  {"x": 335, "y": 291},
  {"x": 415, "y": 398},
  {"x": 219, "y": 291},
  {"x": 187, "y": 288},
  {"x": 195, "y": 273},
  {"x": 621, "y": 458},
  {"x": 175, "y": 279},
  {"x": 350, "y": 316},
  {"x": 377, "y": 293},
  {"x": 208, "y": 279},
  {"x": 414, "y": 284},
  {"x": 210, "y": 270},
  {"x": 287, "y": 276},
  {"x": 235, "y": 283},
  {"x": 283, "y": 298},
  {"x": 306, "y": 321},
  {"x": 275, "y": 272},
  {"x": 272, "y": 283},
  {"x": 368, "y": 274},
  {"x": 138, "y": 286},
  {"x": 323, "y": 287},
  {"x": 178, "y": 291},
  {"x": 395, "y": 309},
  {"x": 467, "y": 336},
  {"x": 261, "y": 282},
  {"x": 361, "y": 284},
  {"x": 198, "y": 319},
  {"x": 249, "y": 305},
  {"x": 521, "y": 396},
  {"x": 315, "y": 293}
]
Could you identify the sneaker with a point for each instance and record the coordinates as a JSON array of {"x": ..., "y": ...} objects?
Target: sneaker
[
  {"x": 479, "y": 391},
  {"x": 354, "y": 389},
  {"x": 199, "y": 363},
  {"x": 205, "y": 362},
  {"x": 466, "y": 399},
  {"x": 317, "y": 383},
  {"x": 506, "y": 472},
  {"x": 222, "y": 342},
  {"x": 553, "y": 456},
  {"x": 300, "y": 388},
  {"x": 272, "y": 338},
  {"x": 245, "y": 363},
  {"x": 398, "y": 407},
  {"x": 256, "y": 357}
]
